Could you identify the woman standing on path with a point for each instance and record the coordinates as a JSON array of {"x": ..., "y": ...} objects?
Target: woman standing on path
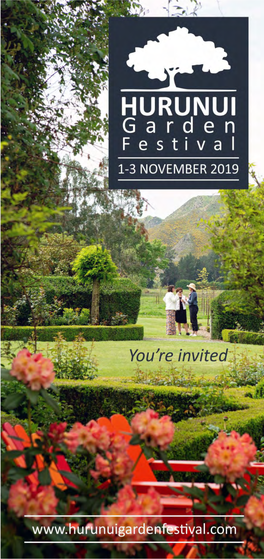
[
  {"x": 181, "y": 311},
  {"x": 193, "y": 306},
  {"x": 170, "y": 300}
]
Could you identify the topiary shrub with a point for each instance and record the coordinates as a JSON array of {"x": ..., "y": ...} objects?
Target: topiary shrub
[
  {"x": 241, "y": 337},
  {"x": 228, "y": 309}
]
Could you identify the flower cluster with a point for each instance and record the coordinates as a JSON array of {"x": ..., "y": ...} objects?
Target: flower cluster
[
  {"x": 56, "y": 432},
  {"x": 54, "y": 437},
  {"x": 230, "y": 455},
  {"x": 117, "y": 464},
  {"x": 153, "y": 431},
  {"x": 92, "y": 437},
  {"x": 254, "y": 512},
  {"x": 33, "y": 370},
  {"x": 127, "y": 519},
  {"x": 32, "y": 499}
]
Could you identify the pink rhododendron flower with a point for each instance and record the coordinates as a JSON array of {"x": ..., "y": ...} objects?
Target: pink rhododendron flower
[
  {"x": 56, "y": 432},
  {"x": 150, "y": 503},
  {"x": 29, "y": 499},
  {"x": 117, "y": 464},
  {"x": 102, "y": 466},
  {"x": 118, "y": 442},
  {"x": 230, "y": 455},
  {"x": 33, "y": 370},
  {"x": 19, "y": 495},
  {"x": 254, "y": 512},
  {"x": 153, "y": 431},
  {"x": 92, "y": 437},
  {"x": 125, "y": 520}
]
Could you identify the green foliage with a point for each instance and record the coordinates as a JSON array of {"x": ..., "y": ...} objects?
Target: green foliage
[
  {"x": 238, "y": 237},
  {"x": 12, "y": 419},
  {"x": 54, "y": 63},
  {"x": 229, "y": 308},
  {"x": 120, "y": 294},
  {"x": 244, "y": 370},
  {"x": 106, "y": 397},
  {"x": 259, "y": 392},
  {"x": 184, "y": 283},
  {"x": 243, "y": 337},
  {"x": 55, "y": 253},
  {"x": 98, "y": 399},
  {"x": 119, "y": 319},
  {"x": 72, "y": 316},
  {"x": 75, "y": 362},
  {"x": 187, "y": 266},
  {"x": 42, "y": 415},
  {"x": 89, "y": 333},
  {"x": 211, "y": 396},
  {"x": 94, "y": 262}
]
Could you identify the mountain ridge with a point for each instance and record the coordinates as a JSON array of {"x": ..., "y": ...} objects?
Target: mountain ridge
[{"x": 183, "y": 230}]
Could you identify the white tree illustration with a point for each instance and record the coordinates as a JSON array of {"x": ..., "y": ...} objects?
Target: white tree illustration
[{"x": 177, "y": 53}]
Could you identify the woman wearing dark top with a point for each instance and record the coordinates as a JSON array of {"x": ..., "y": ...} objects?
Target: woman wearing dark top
[
  {"x": 193, "y": 306},
  {"x": 181, "y": 317}
]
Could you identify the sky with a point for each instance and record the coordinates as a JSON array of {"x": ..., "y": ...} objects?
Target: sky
[{"x": 164, "y": 202}]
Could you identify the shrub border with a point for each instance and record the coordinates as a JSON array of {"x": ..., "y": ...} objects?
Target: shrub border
[
  {"x": 96, "y": 333},
  {"x": 243, "y": 337}
]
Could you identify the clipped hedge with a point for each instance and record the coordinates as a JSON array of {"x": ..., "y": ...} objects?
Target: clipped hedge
[
  {"x": 91, "y": 400},
  {"x": 259, "y": 390},
  {"x": 193, "y": 439},
  {"x": 241, "y": 337},
  {"x": 119, "y": 295},
  {"x": 89, "y": 333},
  {"x": 222, "y": 318}
]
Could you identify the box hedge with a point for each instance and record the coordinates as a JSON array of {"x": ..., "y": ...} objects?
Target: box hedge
[
  {"x": 224, "y": 316},
  {"x": 119, "y": 295},
  {"x": 89, "y": 333},
  {"x": 259, "y": 390},
  {"x": 94, "y": 399},
  {"x": 241, "y": 337}
]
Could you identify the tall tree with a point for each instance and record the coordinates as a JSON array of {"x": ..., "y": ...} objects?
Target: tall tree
[
  {"x": 94, "y": 263},
  {"x": 238, "y": 237},
  {"x": 54, "y": 65}
]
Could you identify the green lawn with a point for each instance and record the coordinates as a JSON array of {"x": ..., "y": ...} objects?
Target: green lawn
[
  {"x": 153, "y": 306},
  {"x": 114, "y": 358},
  {"x": 156, "y": 328}
]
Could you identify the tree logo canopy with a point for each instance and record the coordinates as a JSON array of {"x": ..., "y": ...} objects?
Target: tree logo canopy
[{"x": 177, "y": 53}]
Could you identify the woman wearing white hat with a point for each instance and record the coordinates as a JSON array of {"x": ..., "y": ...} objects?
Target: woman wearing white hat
[{"x": 193, "y": 306}]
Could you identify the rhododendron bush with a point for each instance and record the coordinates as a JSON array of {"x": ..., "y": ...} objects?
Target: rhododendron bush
[{"x": 105, "y": 499}]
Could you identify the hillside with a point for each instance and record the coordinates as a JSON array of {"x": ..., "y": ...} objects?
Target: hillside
[
  {"x": 150, "y": 221},
  {"x": 180, "y": 230}
]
